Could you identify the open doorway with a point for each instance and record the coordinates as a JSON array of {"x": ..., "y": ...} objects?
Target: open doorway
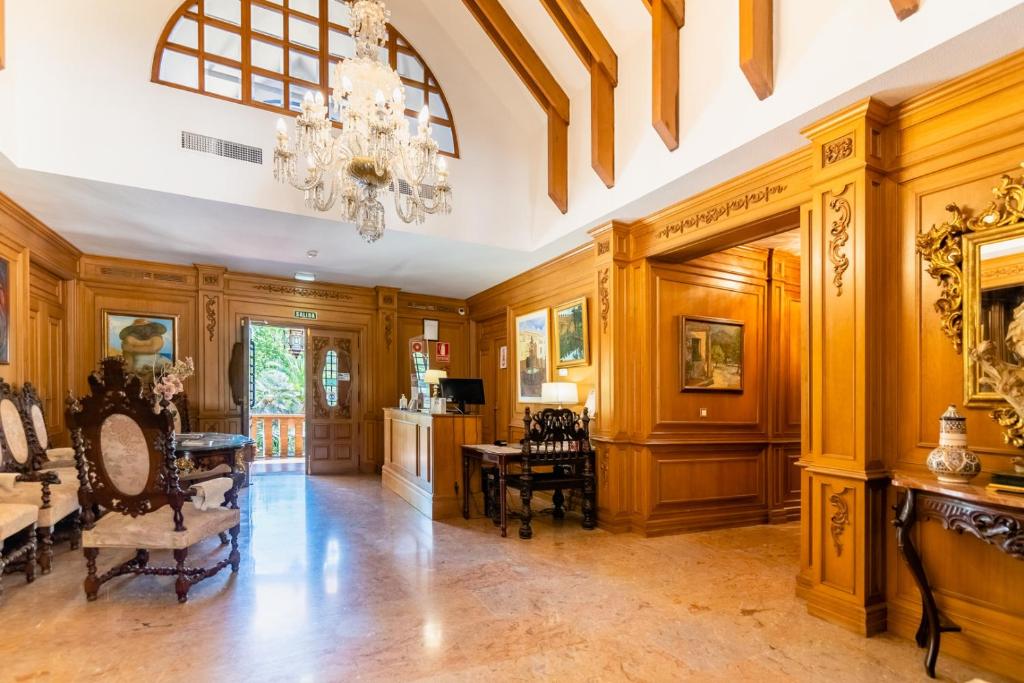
[{"x": 277, "y": 398}]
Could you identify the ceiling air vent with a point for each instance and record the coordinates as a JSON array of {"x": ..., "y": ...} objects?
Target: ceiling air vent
[
  {"x": 405, "y": 188},
  {"x": 222, "y": 148}
]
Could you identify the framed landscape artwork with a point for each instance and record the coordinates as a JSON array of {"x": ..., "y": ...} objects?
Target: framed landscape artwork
[
  {"x": 5, "y": 310},
  {"x": 710, "y": 354},
  {"x": 571, "y": 344},
  {"x": 532, "y": 361},
  {"x": 148, "y": 343}
]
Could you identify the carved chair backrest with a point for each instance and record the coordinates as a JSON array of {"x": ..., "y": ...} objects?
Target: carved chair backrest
[
  {"x": 123, "y": 450},
  {"x": 556, "y": 434},
  {"x": 32, "y": 410},
  {"x": 179, "y": 410},
  {"x": 15, "y": 449}
]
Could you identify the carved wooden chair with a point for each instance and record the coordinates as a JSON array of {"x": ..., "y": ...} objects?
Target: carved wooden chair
[
  {"x": 179, "y": 411},
  {"x": 18, "y": 539},
  {"x": 56, "y": 501},
  {"x": 558, "y": 439},
  {"x": 125, "y": 457},
  {"x": 44, "y": 455}
]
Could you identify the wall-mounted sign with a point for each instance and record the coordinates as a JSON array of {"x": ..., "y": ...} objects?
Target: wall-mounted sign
[
  {"x": 443, "y": 352},
  {"x": 430, "y": 328},
  {"x": 417, "y": 346},
  {"x": 305, "y": 315},
  {"x": 503, "y": 358}
]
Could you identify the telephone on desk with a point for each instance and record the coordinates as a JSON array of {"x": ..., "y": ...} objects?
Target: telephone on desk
[{"x": 499, "y": 442}]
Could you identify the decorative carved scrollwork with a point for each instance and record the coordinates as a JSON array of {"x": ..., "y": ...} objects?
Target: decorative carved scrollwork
[
  {"x": 603, "y": 247},
  {"x": 604, "y": 470},
  {"x": 840, "y": 519},
  {"x": 604, "y": 294},
  {"x": 723, "y": 210},
  {"x": 211, "y": 316},
  {"x": 308, "y": 292},
  {"x": 389, "y": 331},
  {"x": 319, "y": 346},
  {"x": 1003, "y": 529},
  {"x": 839, "y": 235},
  {"x": 942, "y": 248},
  {"x": 837, "y": 150}
]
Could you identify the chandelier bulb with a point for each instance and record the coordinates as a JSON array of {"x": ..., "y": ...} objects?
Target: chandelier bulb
[
  {"x": 397, "y": 96},
  {"x": 425, "y": 115},
  {"x": 282, "y": 127},
  {"x": 308, "y": 97},
  {"x": 442, "y": 166},
  {"x": 379, "y": 97},
  {"x": 319, "y": 99},
  {"x": 346, "y": 85}
]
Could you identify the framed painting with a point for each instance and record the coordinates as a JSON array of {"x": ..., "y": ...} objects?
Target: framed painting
[
  {"x": 533, "y": 365},
  {"x": 710, "y": 354},
  {"x": 572, "y": 346},
  {"x": 148, "y": 343},
  {"x": 5, "y": 311}
]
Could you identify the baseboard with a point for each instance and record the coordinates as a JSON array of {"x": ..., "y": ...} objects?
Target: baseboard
[
  {"x": 864, "y": 620},
  {"x": 433, "y": 507},
  {"x": 666, "y": 524}
]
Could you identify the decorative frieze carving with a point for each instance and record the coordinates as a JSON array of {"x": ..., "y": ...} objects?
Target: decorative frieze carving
[
  {"x": 723, "y": 210},
  {"x": 211, "y": 280},
  {"x": 1004, "y": 530},
  {"x": 307, "y": 292},
  {"x": 211, "y": 316},
  {"x": 837, "y": 150},
  {"x": 133, "y": 274},
  {"x": 604, "y": 294},
  {"x": 840, "y": 519},
  {"x": 389, "y": 331},
  {"x": 603, "y": 247},
  {"x": 420, "y": 306},
  {"x": 839, "y": 235}
]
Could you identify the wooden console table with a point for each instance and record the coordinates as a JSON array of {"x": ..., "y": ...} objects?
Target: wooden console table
[
  {"x": 499, "y": 456},
  {"x": 996, "y": 519}
]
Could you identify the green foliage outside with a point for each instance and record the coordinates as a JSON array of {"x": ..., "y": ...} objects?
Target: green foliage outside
[{"x": 280, "y": 387}]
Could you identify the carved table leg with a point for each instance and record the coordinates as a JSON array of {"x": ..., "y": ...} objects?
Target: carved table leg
[
  {"x": 92, "y": 583},
  {"x": 589, "y": 495},
  {"x": 931, "y": 629},
  {"x": 76, "y": 531},
  {"x": 465, "y": 485},
  {"x": 526, "y": 494},
  {"x": 235, "y": 558},
  {"x": 502, "y": 499},
  {"x": 559, "y": 501},
  {"x": 182, "y": 584}
]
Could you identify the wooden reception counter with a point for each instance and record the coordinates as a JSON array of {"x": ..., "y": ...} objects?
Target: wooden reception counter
[{"x": 423, "y": 458}]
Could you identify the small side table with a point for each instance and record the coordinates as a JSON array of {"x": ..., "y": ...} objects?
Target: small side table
[{"x": 995, "y": 518}]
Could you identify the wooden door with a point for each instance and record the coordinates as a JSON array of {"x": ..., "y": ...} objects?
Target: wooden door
[
  {"x": 48, "y": 348},
  {"x": 333, "y": 425}
]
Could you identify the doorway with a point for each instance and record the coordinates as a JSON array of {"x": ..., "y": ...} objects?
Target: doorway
[{"x": 277, "y": 398}]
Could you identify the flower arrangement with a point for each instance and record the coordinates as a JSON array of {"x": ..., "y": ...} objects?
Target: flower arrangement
[{"x": 170, "y": 380}]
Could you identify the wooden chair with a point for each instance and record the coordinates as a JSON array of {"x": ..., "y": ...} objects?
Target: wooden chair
[
  {"x": 44, "y": 455},
  {"x": 56, "y": 501},
  {"x": 18, "y": 539},
  {"x": 125, "y": 457},
  {"x": 179, "y": 411},
  {"x": 559, "y": 439}
]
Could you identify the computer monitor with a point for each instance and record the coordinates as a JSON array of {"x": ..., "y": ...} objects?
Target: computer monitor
[{"x": 463, "y": 391}]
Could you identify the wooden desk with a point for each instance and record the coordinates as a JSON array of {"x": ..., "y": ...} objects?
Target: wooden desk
[
  {"x": 499, "y": 456},
  {"x": 202, "y": 451},
  {"x": 995, "y": 518},
  {"x": 421, "y": 458}
]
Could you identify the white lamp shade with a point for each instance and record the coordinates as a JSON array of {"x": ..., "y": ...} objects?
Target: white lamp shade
[
  {"x": 434, "y": 376},
  {"x": 559, "y": 392}
]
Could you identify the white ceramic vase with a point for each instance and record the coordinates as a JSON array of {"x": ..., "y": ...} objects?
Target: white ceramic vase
[{"x": 952, "y": 462}]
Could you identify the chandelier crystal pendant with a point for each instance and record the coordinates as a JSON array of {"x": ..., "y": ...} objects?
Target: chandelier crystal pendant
[{"x": 374, "y": 153}]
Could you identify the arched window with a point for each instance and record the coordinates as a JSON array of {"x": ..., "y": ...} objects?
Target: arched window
[{"x": 269, "y": 53}]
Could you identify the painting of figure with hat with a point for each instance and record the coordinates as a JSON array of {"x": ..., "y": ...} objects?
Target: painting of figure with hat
[{"x": 147, "y": 343}]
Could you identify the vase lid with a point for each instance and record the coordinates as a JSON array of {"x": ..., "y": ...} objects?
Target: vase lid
[{"x": 952, "y": 414}]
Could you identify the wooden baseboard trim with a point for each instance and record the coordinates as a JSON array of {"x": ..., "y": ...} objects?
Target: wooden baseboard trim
[{"x": 867, "y": 620}]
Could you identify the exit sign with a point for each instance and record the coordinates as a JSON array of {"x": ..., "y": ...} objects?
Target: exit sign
[{"x": 306, "y": 315}]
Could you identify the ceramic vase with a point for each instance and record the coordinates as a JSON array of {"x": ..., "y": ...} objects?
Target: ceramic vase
[{"x": 952, "y": 462}]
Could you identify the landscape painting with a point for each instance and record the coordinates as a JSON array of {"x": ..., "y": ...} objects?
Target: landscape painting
[
  {"x": 5, "y": 310},
  {"x": 532, "y": 362},
  {"x": 710, "y": 354},
  {"x": 571, "y": 344},
  {"x": 147, "y": 343}
]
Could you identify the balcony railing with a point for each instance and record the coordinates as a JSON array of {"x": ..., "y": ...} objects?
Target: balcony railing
[{"x": 278, "y": 436}]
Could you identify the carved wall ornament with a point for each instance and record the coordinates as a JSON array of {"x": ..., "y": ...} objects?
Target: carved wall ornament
[
  {"x": 942, "y": 249},
  {"x": 603, "y": 247},
  {"x": 210, "y": 280},
  {"x": 389, "y": 325},
  {"x": 604, "y": 294},
  {"x": 211, "y": 316},
  {"x": 840, "y": 519},
  {"x": 723, "y": 210},
  {"x": 307, "y": 292},
  {"x": 1003, "y": 530},
  {"x": 839, "y": 235},
  {"x": 604, "y": 470},
  {"x": 319, "y": 405},
  {"x": 837, "y": 150}
]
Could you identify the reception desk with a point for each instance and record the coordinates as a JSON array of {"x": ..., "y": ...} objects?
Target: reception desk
[{"x": 423, "y": 458}]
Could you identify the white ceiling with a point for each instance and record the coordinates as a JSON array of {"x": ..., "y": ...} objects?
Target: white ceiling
[{"x": 92, "y": 147}]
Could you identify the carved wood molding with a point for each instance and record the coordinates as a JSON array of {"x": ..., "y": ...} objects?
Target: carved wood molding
[
  {"x": 996, "y": 526},
  {"x": 211, "y": 316},
  {"x": 603, "y": 247},
  {"x": 604, "y": 294},
  {"x": 839, "y": 235},
  {"x": 307, "y": 292},
  {"x": 319, "y": 344},
  {"x": 137, "y": 274},
  {"x": 389, "y": 325},
  {"x": 837, "y": 150},
  {"x": 840, "y": 519},
  {"x": 721, "y": 211}
]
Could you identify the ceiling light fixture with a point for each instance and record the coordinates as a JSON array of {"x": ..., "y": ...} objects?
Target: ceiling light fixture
[
  {"x": 305, "y": 277},
  {"x": 375, "y": 152}
]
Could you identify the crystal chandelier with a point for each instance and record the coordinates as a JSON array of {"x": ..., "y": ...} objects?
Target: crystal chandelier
[{"x": 374, "y": 153}]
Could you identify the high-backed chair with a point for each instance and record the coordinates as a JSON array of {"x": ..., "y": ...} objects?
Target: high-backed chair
[
  {"x": 179, "y": 411},
  {"x": 18, "y": 539},
  {"x": 124, "y": 452},
  {"x": 559, "y": 439},
  {"x": 55, "y": 501},
  {"x": 44, "y": 455}
]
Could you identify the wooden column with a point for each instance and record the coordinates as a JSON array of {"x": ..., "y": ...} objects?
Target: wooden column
[
  {"x": 208, "y": 390},
  {"x": 385, "y": 386},
  {"x": 849, "y": 407},
  {"x": 616, "y": 355}
]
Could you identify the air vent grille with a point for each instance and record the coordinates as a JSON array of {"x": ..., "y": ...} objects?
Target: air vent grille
[
  {"x": 405, "y": 188},
  {"x": 222, "y": 148}
]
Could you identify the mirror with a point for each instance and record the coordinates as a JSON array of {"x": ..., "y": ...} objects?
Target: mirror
[{"x": 993, "y": 290}]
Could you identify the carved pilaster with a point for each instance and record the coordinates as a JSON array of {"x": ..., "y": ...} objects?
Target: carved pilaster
[
  {"x": 210, "y": 395},
  {"x": 386, "y": 383}
]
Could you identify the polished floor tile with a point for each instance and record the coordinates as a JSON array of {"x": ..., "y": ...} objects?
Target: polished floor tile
[{"x": 341, "y": 580}]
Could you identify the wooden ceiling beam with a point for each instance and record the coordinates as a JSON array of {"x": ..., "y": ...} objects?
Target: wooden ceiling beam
[
  {"x": 757, "y": 45},
  {"x": 541, "y": 83},
  {"x": 594, "y": 50},
  {"x": 667, "y": 18},
  {"x": 904, "y": 8}
]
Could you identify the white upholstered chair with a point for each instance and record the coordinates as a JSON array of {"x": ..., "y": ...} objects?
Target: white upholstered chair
[
  {"x": 124, "y": 453},
  {"x": 54, "y": 501},
  {"x": 18, "y": 538},
  {"x": 47, "y": 456}
]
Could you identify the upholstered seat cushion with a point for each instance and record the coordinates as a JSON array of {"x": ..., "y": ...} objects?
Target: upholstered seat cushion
[
  {"x": 56, "y": 455},
  {"x": 15, "y": 517},
  {"x": 68, "y": 475},
  {"x": 63, "y": 501},
  {"x": 156, "y": 530}
]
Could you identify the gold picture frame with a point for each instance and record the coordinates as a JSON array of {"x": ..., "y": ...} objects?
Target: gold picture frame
[
  {"x": 144, "y": 356},
  {"x": 571, "y": 334}
]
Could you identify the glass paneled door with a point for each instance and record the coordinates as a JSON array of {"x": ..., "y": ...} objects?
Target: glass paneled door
[{"x": 333, "y": 425}]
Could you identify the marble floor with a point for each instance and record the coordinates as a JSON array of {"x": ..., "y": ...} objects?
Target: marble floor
[{"x": 343, "y": 581}]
